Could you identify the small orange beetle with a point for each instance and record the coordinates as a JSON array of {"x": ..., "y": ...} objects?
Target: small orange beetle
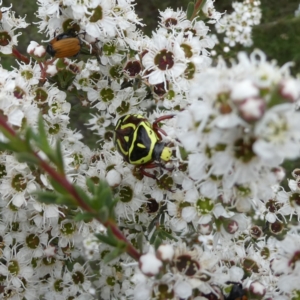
[{"x": 66, "y": 44}]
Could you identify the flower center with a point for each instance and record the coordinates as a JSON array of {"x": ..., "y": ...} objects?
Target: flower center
[
  {"x": 78, "y": 277},
  {"x": 189, "y": 71},
  {"x": 32, "y": 241},
  {"x": 40, "y": 95},
  {"x": 126, "y": 194},
  {"x": 243, "y": 150},
  {"x": 133, "y": 68},
  {"x": 68, "y": 228},
  {"x": 107, "y": 94},
  {"x": 58, "y": 285},
  {"x": 170, "y": 22},
  {"x": 204, "y": 206},
  {"x": 19, "y": 183},
  {"x": 164, "y": 60},
  {"x": 13, "y": 267},
  {"x": 97, "y": 14},
  {"x": 152, "y": 206},
  {"x": 187, "y": 265},
  {"x": 5, "y": 38}
]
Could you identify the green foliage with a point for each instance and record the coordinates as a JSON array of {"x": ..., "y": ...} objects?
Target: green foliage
[
  {"x": 190, "y": 10},
  {"x": 110, "y": 239},
  {"x": 46, "y": 197},
  {"x": 102, "y": 199},
  {"x": 160, "y": 235}
]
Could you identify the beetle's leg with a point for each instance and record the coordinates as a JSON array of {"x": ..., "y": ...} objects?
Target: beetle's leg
[
  {"x": 165, "y": 168},
  {"x": 157, "y": 129},
  {"x": 150, "y": 165},
  {"x": 153, "y": 165},
  {"x": 145, "y": 173}
]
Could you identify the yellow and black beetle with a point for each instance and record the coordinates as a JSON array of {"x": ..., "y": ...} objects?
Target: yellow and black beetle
[
  {"x": 66, "y": 44},
  {"x": 140, "y": 142}
]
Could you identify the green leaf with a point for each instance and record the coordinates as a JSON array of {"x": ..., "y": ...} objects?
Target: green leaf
[
  {"x": 183, "y": 153},
  {"x": 104, "y": 192},
  {"x": 140, "y": 241},
  {"x": 59, "y": 157},
  {"x": 66, "y": 200},
  {"x": 102, "y": 196},
  {"x": 84, "y": 216},
  {"x": 41, "y": 138},
  {"x": 106, "y": 196},
  {"x": 112, "y": 207},
  {"x": 46, "y": 197},
  {"x": 7, "y": 147},
  {"x": 58, "y": 187},
  {"x": 114, "y": 254},
  {"x": 65, "y": 78},
  {"x": 27, "y": 157},
  {"x": 157, "y": 242},
  {"x": 83, "y": 195},
  {"x": 14, "y": 144},
  {"x": 153, "y": 224},
  {"x": 103, "y": 214},
  {"x": 29, "y": 136},
  {"x": 153, "y": 237},
  {"x": 107, "y": 239},
  {"x": 165, "y": 235},
  {"x": 91, "y": 185},
  {"x": 162, "y": 218},
  {"x": 190, "y": 10}
]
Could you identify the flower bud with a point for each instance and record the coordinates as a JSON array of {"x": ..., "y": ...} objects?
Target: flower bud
[
  {"x": 289, "y": 89},
  {"x": 36, "y": 50},
  {"x": 257, "y": 290},
  {"x": 252, "y": 109},
  {"x": 231, "y": 226},
  {"x": 113, "y": 178},
  {"x": 165, "y": 252},
  {"x": 149, "y": 264}
]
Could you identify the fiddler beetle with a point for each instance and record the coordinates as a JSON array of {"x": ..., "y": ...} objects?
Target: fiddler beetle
[
  {"x": 66, "y": 44},
  {"x": 140, "y": 142}
]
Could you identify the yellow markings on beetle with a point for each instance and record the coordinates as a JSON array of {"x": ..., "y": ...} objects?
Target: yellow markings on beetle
[
  {"x": 141, "y": 145},
  {"x": 128, "y": 125},
  {"x": 153, "y": 139},
  {"x": 121, "y": 148}
]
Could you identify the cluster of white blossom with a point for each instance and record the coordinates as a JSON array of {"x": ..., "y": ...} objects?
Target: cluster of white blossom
[
  {"x": 237, "y": 26},
  {"x": 216, "y": 211},
  {"x": 9, "y": 23}
]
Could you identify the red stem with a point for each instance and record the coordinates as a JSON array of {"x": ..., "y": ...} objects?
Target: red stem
[
  {"x": 196, "y": 8},
  {"x": 20, "y": 56}
]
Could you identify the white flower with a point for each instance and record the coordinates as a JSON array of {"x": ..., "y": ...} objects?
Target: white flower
[
  {"x": 15, "y": 268},
  {"x": 165, "y": 252},
  {"x": 164, "y": 60},
  {"x": 183, "y": 289}
]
